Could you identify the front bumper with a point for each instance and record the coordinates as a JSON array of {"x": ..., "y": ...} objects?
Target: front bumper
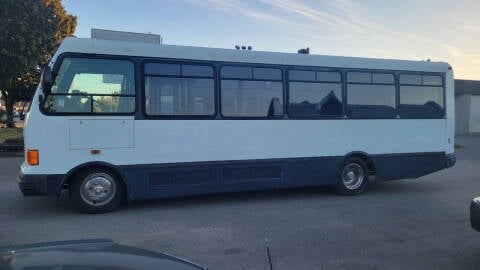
[
  {"x": 475, "y": 213},
  {"x": 39, "y": 184}
]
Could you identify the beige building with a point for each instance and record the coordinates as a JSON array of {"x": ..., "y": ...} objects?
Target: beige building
[{"x": 467, "y": 106}]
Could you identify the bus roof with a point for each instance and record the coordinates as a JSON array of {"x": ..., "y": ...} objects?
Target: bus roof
[{"x": 124, "y": 48}]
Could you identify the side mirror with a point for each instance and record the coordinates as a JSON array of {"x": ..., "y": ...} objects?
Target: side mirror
[{"x": 47, "y": 80}]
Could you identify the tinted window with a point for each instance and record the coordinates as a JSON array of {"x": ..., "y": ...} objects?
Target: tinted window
[
  {"x": 328, "y": 76},
  {"x": 179, "y": 96},
  {"x": 432, "y": 80},
  {"x": 383, "y": 78},
  {"x": 197, "y": 71},
  {"x": 86, "y": 85},
  {"x": 371, "y": 95},
  {"x": 421, "y": 102},
  {"x": 267, "y": 74},
  {"x": 162, "y": 69},
  {"x": 410, "y": 79},
  {"x": 308, "y": 99},
  {"x": 236, "y": 72},
  {"x": 301, "y": 75},
  {"x": 184, "y": 94},
  {"x": 251, "y": 98},
  {"x": 359, "y": 77},
  {"x": 371, "y": 101},
  {"x": 424, "y": 100}
]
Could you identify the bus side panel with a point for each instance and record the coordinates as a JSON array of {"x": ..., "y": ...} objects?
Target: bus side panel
[
  {"x": 173, "y": 180},
  {"x": 312, "y": 171},
  {"x": 391, "y": 167},
  {"x": 150, "y": 181}
]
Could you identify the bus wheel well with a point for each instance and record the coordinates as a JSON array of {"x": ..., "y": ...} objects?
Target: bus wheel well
[
  {"x": 107, "y": 167},
  {"x": 365, "y": 157}
]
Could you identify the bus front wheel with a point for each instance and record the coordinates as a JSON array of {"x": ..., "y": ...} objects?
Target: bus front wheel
[
  {"x": 352, "y": 177},
  {"x": 95, "y": 190}
]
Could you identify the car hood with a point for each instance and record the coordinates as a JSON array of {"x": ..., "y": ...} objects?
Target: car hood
[{"x": 92, "y": 254}]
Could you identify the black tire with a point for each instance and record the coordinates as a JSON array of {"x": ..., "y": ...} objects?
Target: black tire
[
  {"x": 96, "y": 190},
  {"x": 357, "y": 168}
]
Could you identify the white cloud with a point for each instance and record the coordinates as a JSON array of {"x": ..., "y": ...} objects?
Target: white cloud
[
  {"x": 234, "y": 6},
  {"x": 476, "y": 62},
  {"x": 454, "y": 52},
  {"x": 348, "y": 27},
  {"x": 335, "y": 14},
  {"x": 471, "y": 28}
]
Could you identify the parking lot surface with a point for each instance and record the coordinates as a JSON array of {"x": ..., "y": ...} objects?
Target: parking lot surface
[{"x": 408, "y": 224}]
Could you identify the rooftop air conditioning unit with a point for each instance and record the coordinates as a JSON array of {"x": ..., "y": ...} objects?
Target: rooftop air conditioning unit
[{"x": 125, "y": 36}]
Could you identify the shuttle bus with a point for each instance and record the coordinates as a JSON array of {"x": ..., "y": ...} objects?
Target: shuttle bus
[{"x": 115, "y": 121}]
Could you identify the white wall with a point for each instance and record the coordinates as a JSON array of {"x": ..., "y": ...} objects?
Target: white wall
[
  {"x": 474, "y": 120},
  {"x": 462, "y": 112}
]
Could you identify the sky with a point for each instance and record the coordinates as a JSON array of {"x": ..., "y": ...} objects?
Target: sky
[{"x": 440, "y": 30}]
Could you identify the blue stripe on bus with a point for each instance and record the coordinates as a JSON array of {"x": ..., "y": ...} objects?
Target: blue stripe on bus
[
  {"x": 193, "y": 178},
  {"x": 148, "y": 181}
]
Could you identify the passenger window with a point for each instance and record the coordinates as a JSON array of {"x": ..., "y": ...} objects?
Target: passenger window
[
  {"x": 162, "y": 69},
  {"x": 359, "y": 77},
  {"x": 92, "y": 86},
  {"x": 251, "y": 98},
  {"x": 262, "y": 97},
  {"x": 410, "y": 79},
  {"x": 230, "y": 72},
  {"x": 422, "y": 98},
  {"x": 190, "y": 93},
  {"x": 267, "y": 74},
  {"x": 308, "y": 100},
  {"x": 371, "y": 95},
  {"x": 324, "y": 76},
  {"x": 197, "y": 71},
  {"x": 432, "y": 80},
  {"x": 316, "y": 99},
  {"x": 301, "y": 75},
  {"x": 383, "y": 78}
]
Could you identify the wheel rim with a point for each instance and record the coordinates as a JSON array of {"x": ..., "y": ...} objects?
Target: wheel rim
[
  {"x": 98, "y": 189},
  {"x": 353, "y": 176}
]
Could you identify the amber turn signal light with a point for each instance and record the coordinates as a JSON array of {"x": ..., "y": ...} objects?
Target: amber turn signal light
[{"x": 32, "y": 157}]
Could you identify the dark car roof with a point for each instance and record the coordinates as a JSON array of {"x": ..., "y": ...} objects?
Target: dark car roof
[{"x": 95, "y": 254}]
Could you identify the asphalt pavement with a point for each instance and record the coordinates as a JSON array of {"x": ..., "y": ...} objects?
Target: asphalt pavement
[{"x": 408, "y": 224}]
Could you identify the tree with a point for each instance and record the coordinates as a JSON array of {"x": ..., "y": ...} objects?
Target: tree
[{"x": 30, "y": 31}]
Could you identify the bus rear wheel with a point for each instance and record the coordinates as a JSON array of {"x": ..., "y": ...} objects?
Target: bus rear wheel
[
  {"x": 96, "y": 191},
  {"x": 352, "y": 177}
]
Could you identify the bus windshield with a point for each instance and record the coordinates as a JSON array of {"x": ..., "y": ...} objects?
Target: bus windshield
[{"x": 85, "y": 85}]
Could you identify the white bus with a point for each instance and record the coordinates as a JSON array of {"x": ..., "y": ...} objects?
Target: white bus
[{"x": 115, "y": 121}]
